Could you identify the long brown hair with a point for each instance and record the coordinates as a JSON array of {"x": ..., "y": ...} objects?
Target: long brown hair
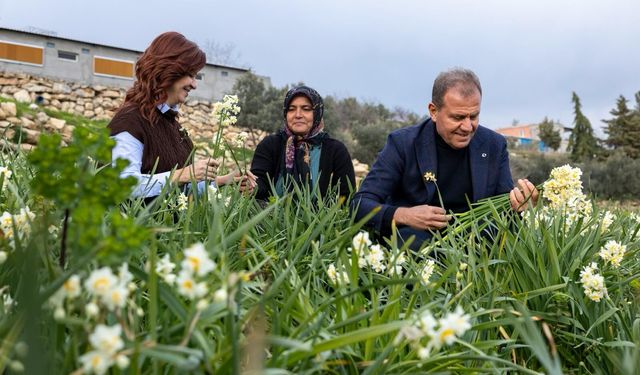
[{"x": 170, "y": 57}]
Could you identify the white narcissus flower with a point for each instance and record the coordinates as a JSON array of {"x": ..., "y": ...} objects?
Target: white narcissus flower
[
  {"x": 188, "y": 287},
  {"x": 451, "y": 326},
  {"x": 164, "y": 268},
  {"x": 96, "y": 362},
  {"x": 92, "y": 309},
  {"x": 72, "y": 287},
  {"x": 220, "y": 295},
  {"x": 59, "y": 313},
  {"x": 427, "y": 323},
  {"x": 116, "y": 297},
  {"x": 607, "y": 220},
  {"x": 182, "y": 203},
  {"x": 613, "y": 252},
  {"x": 122, "y": 361},
  {"x": 202, "y": 304},
  {"x": 5, "y": 175},
  {"x": 124, "y": 276},
  {"x": 332, "y": 273},
  {"x": 361, "y": 241},
  {"x": 100, "y": 281},
  {"x": 593, "y": 283},
  {"x": 106, "y": 339},
  {"x": 376, "y": 258},
  {"x": 196, "y": 260},
  {"x": 427, "y": 271}
]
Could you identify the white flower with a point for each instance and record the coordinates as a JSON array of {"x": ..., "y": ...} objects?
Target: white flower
[
  {"x": 19, "y": 223},
  {"x": 337, "y": 277},
  {"x": 452, "y": 325},
  {"x": 188, "y": 287},
  {"x": 182, "y": 203},
  {"x": 122, "y": 361},
  {"x": 376, "y": 258},
  {"x": 635, "y": 216},
  {"x": 241, "y": 138},
  {"x": 427, "y": 271},
  {"x": 101, "y": 281},
  {"x": 202, "y": 304},
  {"x": 429, "y": 177},
  {"x": 607, "y": 220},
  {"x": 116, "y": 297},
  {"x": 423, "y": 352},
  {"x": 332, "y": 273},
  {"x": 220, "y": 295},
  {"x": 91, "y": 309},
  {"x": 124, "y": 276},
  {"x": 196, "y": 260},
  {"x": 3, "y": 256},
  {"x": 427, "y": 324},
  {"x": 593, "y": 283},
  {"x": 59, "y": 313},
  {"x": 106, "y": 339},
  {"x": 361, "y": 241},
  {"x": 5, "y": 175},
  {"x": 96, "y": 362},
  {"x": 72, "y": 287},
  {"x": 164, "y": 268},
  {"x": 613, "y": 252},
  {"x": 7, "y": 302}
]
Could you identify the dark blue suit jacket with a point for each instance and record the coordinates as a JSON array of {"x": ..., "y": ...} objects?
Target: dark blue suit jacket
[{"x": 396, "y": 177}]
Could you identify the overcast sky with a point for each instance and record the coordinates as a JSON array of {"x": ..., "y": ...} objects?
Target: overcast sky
[{"x": 529, "y": 54}]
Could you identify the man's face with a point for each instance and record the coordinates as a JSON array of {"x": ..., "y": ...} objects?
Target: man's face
[
  {"x": 178, "y": 92},
  {"x": 457, "y": 119}
]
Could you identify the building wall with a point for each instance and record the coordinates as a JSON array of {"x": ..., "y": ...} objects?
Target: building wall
[{"x": 216, "y": 81}]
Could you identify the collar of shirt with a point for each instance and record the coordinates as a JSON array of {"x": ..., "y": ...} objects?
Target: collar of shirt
[{"x": 164, "y": 107}]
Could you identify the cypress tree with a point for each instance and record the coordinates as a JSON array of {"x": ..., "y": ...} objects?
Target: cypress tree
[{"x": 582, "y": 143}]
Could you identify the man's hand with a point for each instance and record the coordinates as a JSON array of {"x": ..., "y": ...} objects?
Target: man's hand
[
  {"x": 524, "y": 196},
  {"x": 422, "y": 217}
]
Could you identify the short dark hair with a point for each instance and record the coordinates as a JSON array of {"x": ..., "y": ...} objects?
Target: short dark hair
[{"x": 467, "y": 81}]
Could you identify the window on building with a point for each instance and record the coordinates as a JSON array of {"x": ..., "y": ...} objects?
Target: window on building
[
  {"x": 112, "y": 67},
  {"x": 64, "y": 55},
  {"x": 224, "y": 73},
  {"x": 85, "y": 50},
  {"x": 21, "y": 53},
  {"x": 51, "y": 45},
  {"x": 200, "y": 76}
]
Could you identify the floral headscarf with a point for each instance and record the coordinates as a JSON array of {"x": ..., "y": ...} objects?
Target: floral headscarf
[{"x": 297, "y": 147}]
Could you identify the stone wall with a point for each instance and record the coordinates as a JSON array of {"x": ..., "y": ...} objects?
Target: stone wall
[{"x": 96, "y": 102}]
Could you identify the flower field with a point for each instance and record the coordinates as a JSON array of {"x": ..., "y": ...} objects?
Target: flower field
[{"x": 92, "y": 282}]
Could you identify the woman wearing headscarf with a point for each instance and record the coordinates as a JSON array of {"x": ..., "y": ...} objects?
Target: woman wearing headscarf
[
  {"x": 146, "y": 127},
  {"x": 301, "y": 151}
]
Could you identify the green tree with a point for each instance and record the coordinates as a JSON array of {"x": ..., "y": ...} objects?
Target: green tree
[
  {"x": 582, "y": 144},
  {"x": 548, "y": 134},
  {"x": 620, "y": 129},
  {"x": 261, "y": 105}
]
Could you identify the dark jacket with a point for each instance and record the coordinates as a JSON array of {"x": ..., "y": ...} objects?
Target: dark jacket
[
  {"x": 396, "y": 177},
  {"x": 336, "y": 167}
]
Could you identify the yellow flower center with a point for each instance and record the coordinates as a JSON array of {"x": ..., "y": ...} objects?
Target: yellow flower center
[
  {"x": 446, "y": 333},
  {"x": 195, "y": 263}
]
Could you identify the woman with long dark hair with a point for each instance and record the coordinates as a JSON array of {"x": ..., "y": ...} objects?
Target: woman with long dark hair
[
  {"x": 302, "y": 152},
  {"x": 146, "y": 129}
]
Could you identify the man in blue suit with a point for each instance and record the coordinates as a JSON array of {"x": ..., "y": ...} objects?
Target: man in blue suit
[{"x": 468, "y": 161}]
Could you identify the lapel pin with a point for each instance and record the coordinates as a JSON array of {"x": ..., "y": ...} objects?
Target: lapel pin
[{"x": 484, "y": 155}]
